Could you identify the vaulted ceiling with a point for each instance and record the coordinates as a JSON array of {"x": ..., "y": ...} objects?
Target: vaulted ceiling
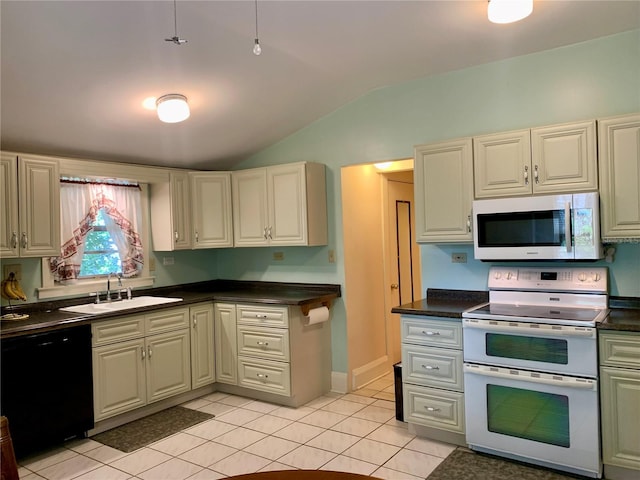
[{"x": 74, "y": 74}]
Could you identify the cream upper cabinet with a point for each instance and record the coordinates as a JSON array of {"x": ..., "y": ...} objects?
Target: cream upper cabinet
[
  {"x": 192, "y": 210},
  {"x": 545, "y": 160},
  {"x": 443, "y": 189},
  {"x": 171, "y": 213},
  {"x": 619, "y": 156},
  {"x": 211, "y": 209},
  {"x": 280, "y": 205},
  {"x": 31, "y": 206}
]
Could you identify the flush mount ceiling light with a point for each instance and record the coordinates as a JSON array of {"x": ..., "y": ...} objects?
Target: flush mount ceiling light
[
  {"x": 508, "y": 11},
  {"x": 172, "y": 108}
]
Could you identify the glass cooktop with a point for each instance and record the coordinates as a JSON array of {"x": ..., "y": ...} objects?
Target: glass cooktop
[{"x": 541, "y": 313}]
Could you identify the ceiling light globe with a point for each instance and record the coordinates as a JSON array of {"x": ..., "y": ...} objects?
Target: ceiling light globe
[
  {"x": 257, "y": 49},
  {"x": 172, "y": 108},
  {"x": 508, "y": 11}
]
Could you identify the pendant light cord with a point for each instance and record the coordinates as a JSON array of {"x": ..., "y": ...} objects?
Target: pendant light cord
[
  {"x": 175, "y": 18},
  {"x": 256, "y": 5}
]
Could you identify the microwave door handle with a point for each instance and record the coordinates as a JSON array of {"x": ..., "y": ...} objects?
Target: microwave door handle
[{"x": 567, "y": 226}]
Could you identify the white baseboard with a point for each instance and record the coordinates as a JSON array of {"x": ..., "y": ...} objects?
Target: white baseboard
[
  {"x": 369, "y": 372},
  {"x": 339, "y": 382}
]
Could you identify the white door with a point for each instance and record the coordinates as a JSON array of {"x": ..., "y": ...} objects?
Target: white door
[{"x": 403, "y": 260}]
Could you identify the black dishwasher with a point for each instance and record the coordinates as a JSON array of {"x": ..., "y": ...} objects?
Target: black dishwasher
[{"x": 46, "y": 387}]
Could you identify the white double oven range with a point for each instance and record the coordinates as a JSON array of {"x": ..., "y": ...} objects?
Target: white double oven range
[{"x": 531, "y": 367}]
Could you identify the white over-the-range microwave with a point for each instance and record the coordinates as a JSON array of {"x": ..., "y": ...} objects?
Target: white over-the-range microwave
[{"x": 546, "y": 227}]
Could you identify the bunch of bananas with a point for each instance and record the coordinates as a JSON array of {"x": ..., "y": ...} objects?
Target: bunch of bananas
[{"x": 11, "y": 289}]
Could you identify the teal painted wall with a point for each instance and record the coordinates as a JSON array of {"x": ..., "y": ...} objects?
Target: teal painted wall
[{"x": 583, "y": 81}]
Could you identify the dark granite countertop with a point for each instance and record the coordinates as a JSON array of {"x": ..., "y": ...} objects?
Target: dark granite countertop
[
  {"x": 624, "y": 315},
  {"x": 46, "y": 315},
  {"x": 443, "y": 303}
]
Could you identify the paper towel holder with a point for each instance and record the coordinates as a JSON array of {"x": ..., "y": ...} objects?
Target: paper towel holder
[{"x": 305, "y": 308}]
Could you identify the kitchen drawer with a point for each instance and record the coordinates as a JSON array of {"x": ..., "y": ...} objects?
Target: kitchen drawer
[
  {"x": 265, "y": 375},
  {"x": 265, "y": 316},
  {"x": 434, "y": 408},
  {"x": 427, "y": 331},
  {"x": 263, "y": 342},
  {"x": 432, "y": 367},
  {"x": 167, "y": 320},
  {"x": 621, "y": 349},
  {"x": 116, "y": 330}
]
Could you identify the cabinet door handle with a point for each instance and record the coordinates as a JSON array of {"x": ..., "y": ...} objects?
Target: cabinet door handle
[
  {"x": 535, "y": 174},
  {"x": 430, "y": 367},
  {"x": 14, "y": 239},
  {"x": 176, "y": 236},
  {"x": 526, "y": 174},
  {"x": 269, "y": 233},
  {"x": 430, "y": 333},
  {"x": 143, "y": 352},
  {"x": 197, "y": 238},
  {"x": 468, "y": 223},
  {"x": 24, "y": 239},
  {"x": 150, "y": 352},
  {"x": 195, "y": 322},
  {"x": 264, "y": 233}
]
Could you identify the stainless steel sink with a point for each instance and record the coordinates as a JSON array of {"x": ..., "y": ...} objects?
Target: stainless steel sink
[{"x": 108, "y": 307}]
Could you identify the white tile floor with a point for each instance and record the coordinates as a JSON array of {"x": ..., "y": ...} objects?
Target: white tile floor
[{"x": 356, "y": 433}]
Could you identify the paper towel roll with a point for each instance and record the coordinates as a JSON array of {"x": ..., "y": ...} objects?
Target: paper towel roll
[{"x": 317, "y": 315}]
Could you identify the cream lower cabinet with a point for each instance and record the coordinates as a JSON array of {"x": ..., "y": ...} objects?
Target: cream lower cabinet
[
  {"x": 620, "y": 403},
  {"x": 443, "y": 191},
  {"x": 140, "y": 359},
  {"x": 203, "y": 370},
  {"x": 433, "y": 388},
  {"x": 545, "y": 160},
  {"x": 280, "y": 205},
  {"x": 30, "y": 193},
  {"x": 619, "y": 157},
  {"x": 271, "y": 353},
  {"x": 226, "y": 348}
]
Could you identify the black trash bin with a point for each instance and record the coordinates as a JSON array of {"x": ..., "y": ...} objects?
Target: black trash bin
[{"x": 397, "y": 380}]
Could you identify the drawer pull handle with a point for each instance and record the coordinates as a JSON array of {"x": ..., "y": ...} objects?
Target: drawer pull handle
[
  {"x": 430, "y": 367},
  {"x": 258, "y": 315},
  {"x": 263, "y": 344},
  {"x": 432, "y": 409},
  {"x": 430, "y": 333},
  {"x": 262, "y": 375}
]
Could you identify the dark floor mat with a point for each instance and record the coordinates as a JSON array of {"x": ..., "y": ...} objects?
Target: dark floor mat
[
  {"x": 139, "y": 433},
  {"x": 464, "y": 464}
]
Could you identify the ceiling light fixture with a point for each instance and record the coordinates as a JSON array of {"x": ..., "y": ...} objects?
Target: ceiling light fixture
[
  {"x": 172, "y": 108},
  {"x": 508, "y": 11},
  {"x": 175, "y": 39},
  {"x": 257, "y": 49}
]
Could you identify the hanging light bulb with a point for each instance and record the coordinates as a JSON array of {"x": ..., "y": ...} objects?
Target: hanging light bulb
[
  {"x": 257, "y": 49},
  {"x": 508, "y": 11},
  {"x": 172, "y": 108}
]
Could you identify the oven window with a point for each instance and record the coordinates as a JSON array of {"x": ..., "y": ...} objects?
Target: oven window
[
  {"x": 547, "y": 350},
  {"x": 522, "y": 229},
  {"x": 537, "y": 416}
]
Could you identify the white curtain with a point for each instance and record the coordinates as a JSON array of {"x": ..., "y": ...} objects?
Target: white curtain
[{"x": 79, "y": 204}]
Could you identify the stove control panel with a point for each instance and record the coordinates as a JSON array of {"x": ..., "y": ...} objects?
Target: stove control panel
[{"x": 583, "y": 279}]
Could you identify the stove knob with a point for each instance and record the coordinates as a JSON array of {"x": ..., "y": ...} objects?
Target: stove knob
[
  {"x": 582, "y": 277},
  {"x": 595, "y": 276},
  {"x": 497, "y": 275},
  {"x": 509, "y": 275}
]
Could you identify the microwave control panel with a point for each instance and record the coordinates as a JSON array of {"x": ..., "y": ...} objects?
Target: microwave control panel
[{"x": 570, "y": 279}]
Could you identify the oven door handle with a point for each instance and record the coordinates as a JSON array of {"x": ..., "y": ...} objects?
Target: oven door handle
[
  {"x": 531, "y": 377},
  {"x": 539, "y": 330}
]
